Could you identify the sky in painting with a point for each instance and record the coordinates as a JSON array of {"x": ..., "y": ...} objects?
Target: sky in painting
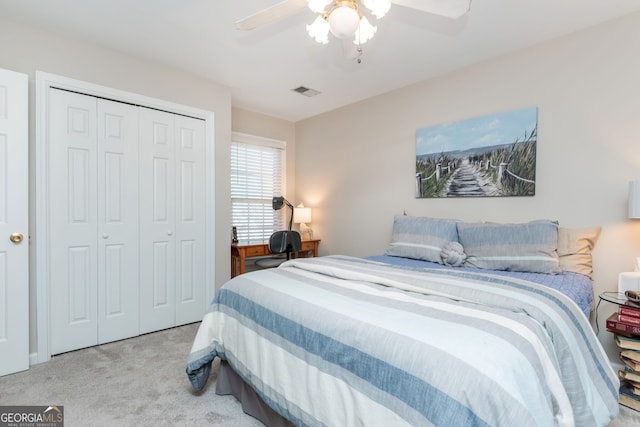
[{"x": 496, "y": 129}]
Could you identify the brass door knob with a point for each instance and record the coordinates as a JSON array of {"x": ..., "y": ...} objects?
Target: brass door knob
[{"x": 16, "y": 237}]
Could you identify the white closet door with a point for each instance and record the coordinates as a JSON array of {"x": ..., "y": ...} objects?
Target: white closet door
[
  {"x": 190, "y": 220},
  {"x": 73, "y": 220},
  {"x": 14, "y": 227},
  {"x": 157, "y": 220},
  {"x": 117, "y": 221}
]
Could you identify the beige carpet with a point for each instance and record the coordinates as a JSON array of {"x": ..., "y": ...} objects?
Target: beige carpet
[
  {"x": 138, "y": 382},
  {"x": 135, "y": 382}
]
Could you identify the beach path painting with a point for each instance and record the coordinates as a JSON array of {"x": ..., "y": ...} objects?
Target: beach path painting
[{"x": 489, "y": 156}]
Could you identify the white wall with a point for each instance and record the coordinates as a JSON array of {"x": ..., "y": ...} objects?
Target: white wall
[
  {"x": 356, "y": 165},
  {"x": 28, "y": 49}
]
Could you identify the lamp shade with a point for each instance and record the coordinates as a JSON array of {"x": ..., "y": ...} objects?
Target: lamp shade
[
  {"x": 634, "y": 199},
  {"x": 378, "y": 7},
  {"x": 344, "y": 20},
  {"x": 301, "y": 215},
  {"x": 365, "y": 31},
  {"x": 319, "y": 30}
]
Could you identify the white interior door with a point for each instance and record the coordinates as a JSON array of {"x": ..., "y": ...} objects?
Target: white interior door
[
  {"x": 117, "y": 221},
  {"x": 73, "y": 222},
  {"x": 190, "y": 220},
  {"x": 157, "y": 221},
  {"x": 14, "y": 240}
]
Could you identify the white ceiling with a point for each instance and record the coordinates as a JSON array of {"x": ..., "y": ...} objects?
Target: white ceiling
[{"x": 262, "y": 66}]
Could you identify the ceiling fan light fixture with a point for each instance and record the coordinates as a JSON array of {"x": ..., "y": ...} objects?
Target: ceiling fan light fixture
[
  {"x": 365, "y": 31},
  {"x": 319, "y": 30},
  {"x": 344, "y": 19},
  {"x": 318, "y": 6},
  {"x": 378, "y": 8}
]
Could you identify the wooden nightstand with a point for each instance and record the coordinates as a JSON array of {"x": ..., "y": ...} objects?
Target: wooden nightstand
[{"x": 241, "y": 251}]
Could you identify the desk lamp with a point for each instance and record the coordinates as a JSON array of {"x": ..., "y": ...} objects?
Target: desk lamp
[
  {"x": 302, "y": 216},
  {"x": 277, "y": 204}
]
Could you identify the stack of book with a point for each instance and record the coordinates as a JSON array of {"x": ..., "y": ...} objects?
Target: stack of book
[{"x": 625, "y": 325}]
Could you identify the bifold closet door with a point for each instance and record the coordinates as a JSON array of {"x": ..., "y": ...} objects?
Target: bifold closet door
[
  {"x": 118, "y": 260},
  {"x": 191, "y": 294},
  {"x": 172, "y": 195},
  {"x": 93, "y": 220},
  {"x": 157, "y": 220}
]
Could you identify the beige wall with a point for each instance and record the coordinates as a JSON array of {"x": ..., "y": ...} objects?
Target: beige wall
[
  {"x": 355, "y": 166},
  {"x": 27, "y": 50}
]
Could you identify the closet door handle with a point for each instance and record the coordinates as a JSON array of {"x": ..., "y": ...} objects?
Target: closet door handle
[
  {"x": 16, "y": 237},
  {"x": 169, "y": 233},
  {"x": 105, "y": 236}
]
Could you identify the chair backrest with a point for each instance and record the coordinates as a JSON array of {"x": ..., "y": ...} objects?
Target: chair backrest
[{"x": 285, "y": 241}]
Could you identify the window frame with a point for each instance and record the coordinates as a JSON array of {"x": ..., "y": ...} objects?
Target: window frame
[{"x": 245, "y": 237}]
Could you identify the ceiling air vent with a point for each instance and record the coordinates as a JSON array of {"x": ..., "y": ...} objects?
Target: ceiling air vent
[{"x": 306, "y": 91}]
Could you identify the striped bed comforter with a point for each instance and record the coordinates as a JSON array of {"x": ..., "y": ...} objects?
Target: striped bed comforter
[{"x": 340, "y": 341}]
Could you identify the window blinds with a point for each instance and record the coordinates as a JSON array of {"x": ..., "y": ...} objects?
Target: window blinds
[{"x": 256, "y": 177}]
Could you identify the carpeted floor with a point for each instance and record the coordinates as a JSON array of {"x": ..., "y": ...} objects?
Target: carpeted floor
[
  {"x": 135, "y": 382},
  {"x": 138, "y": 382}
]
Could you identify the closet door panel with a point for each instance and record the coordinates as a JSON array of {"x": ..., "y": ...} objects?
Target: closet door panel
[
  {"x": 118, "y": 300},
  {"x": 73, "y": 220},
  {"x": 190, "y": 220},
  {"x": 162, "y": 274},
  {"x": 157, "y": 220}
]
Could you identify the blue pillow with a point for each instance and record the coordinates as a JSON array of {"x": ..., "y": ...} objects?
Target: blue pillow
[
  {"x": 529, "y": 247},
  {"x": 421, "y": 237}
]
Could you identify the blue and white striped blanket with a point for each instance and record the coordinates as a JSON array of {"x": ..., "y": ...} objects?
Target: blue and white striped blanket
[{"x": 339, "y": 341}]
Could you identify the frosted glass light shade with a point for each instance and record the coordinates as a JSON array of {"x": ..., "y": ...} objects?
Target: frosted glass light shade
[
  {"x": 319, "y": 30},
  {"x": 634, "y": 199},
  {"x": 344, "y": 21},
  {"x": 365, "y": 31},
  {"x": 378, "y": 8}
]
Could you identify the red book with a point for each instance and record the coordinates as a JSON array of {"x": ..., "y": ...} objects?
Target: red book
[
  {"x": 629, "y": 311},
  {"x": 629, "y": 320},
  {"x": 614, "y": 325}
]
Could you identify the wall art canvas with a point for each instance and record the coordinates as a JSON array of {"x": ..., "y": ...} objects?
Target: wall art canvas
[{"x": 489, "y": 156}]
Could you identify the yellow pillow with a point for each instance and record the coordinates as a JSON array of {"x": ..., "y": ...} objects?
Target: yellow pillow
[{"x": 574, "y": 249}]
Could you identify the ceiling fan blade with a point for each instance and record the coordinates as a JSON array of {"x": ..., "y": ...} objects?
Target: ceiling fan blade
[
  {"x": 448, "y": 8},
  {"x": 270, "y": 14}
]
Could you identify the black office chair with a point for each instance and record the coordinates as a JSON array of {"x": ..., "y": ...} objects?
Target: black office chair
[{"x": 281, "y": 242}]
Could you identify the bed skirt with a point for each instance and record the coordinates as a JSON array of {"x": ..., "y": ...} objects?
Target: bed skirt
[{"x": 228, "y": 382}]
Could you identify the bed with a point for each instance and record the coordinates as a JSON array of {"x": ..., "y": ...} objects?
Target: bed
[{"x": 396, "y": 340}]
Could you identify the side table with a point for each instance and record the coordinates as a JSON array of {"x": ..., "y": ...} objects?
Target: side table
[{"x": 613, "y": 297}]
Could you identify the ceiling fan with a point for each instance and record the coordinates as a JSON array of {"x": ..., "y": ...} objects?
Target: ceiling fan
[{"x": 349, "y": 19}]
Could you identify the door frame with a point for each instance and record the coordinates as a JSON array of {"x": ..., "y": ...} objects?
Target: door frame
[{"x": 44, "y": 83}]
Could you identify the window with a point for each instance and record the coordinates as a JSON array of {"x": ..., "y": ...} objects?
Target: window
[{"x": 257, "y": 175}]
